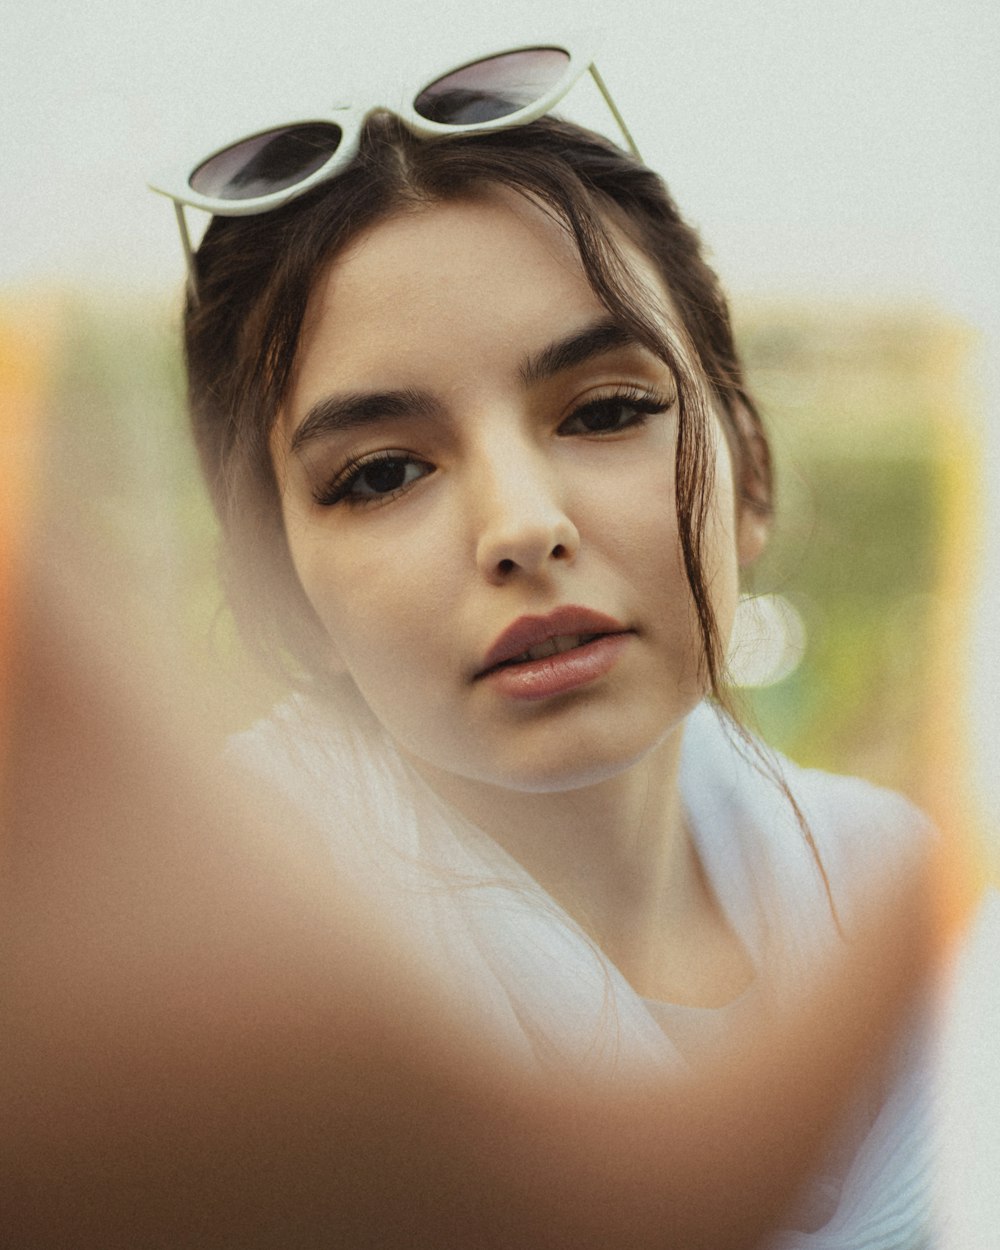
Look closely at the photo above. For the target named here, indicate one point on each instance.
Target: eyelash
(645, 404)
(341, 489)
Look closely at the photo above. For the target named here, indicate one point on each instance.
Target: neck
(619, 858)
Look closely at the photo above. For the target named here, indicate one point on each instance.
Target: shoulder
(862, 833)
(307, 732)
(310, 751)
(845, 810)
(273, 746)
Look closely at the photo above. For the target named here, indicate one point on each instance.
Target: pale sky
(839, 149)
(845, 147)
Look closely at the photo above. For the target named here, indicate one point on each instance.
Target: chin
(574, 767)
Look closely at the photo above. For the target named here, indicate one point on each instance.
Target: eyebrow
(597, 339)
(356, 409)
(335, 414)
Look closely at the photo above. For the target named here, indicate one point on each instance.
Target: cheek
(636, 528)
(374, 598)
(340, 581)
(386, 623)
(644, 537)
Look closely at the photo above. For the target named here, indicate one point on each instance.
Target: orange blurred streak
(962, 866)
(24, 356)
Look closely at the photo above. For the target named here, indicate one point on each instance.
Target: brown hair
(255, 276)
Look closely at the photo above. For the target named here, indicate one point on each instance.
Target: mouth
(531, 639)
(551, 646)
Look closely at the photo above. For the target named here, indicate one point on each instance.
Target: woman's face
(477, 470)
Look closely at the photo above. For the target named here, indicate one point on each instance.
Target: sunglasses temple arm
(614, 109)
(188, 251)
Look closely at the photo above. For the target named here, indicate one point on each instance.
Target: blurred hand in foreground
(210, 1041)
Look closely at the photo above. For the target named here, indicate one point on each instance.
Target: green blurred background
(869, 422)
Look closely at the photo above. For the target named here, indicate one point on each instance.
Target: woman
(487, 469)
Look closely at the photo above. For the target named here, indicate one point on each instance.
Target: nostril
(505, 566)
(559, 552)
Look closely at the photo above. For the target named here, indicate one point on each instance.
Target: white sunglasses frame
(351, 119)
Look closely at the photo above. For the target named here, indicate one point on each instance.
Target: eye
(374, 479)
(612, 413)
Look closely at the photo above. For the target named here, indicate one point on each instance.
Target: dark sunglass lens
(485, 90)
(268, 162)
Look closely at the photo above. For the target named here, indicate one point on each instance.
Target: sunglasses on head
(268, 169)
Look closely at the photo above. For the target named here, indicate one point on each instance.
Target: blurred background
(841, 161)
(853, 644)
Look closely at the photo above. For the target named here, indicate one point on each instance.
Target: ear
(753, 518)
(753, 528)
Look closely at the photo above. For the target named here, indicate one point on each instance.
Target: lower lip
(558, 674)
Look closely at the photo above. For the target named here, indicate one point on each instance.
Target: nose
(524, 527)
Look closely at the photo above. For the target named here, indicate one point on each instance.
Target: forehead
(460, 279)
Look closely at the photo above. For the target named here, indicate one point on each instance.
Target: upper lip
(529, 631)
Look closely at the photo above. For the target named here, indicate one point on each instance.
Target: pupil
(604, 416)
(382, 478)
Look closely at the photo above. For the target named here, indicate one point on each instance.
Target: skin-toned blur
(210, 1041)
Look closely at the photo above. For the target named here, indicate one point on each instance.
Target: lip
(529, 631)
(534, 680)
